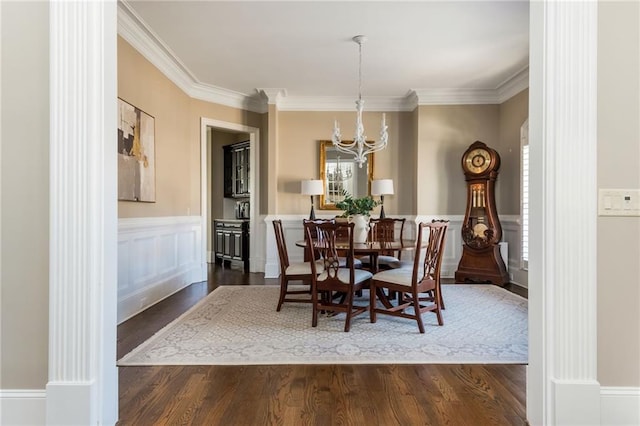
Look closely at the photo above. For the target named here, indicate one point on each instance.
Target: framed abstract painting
(136, 154)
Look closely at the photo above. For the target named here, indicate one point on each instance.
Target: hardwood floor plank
(382, 395)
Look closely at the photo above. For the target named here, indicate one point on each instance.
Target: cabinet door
(237, 245)
(237, 171)
(219, 249)
(228, 172)
(228, 244)
(246, 171)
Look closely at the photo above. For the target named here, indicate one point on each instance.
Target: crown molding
(513, 85)
(455, 96)
(136, 32)
(144, 40)
(273, 96)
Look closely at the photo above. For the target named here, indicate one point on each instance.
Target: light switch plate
(619, 202)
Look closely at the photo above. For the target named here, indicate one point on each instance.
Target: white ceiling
(306, 47)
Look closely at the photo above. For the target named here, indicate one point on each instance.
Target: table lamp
(312, 187)
(382, 187)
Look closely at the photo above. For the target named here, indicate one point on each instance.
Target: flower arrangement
(353, 206)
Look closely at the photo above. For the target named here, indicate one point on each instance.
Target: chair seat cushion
(301, 268)
(357, 263)
(359, 275)
(384, 260)
(401, 276)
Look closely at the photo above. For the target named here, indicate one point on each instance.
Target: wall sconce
(312, 187)
(382, 187)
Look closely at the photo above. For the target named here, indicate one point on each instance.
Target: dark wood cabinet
(231, 241)
(236, 170)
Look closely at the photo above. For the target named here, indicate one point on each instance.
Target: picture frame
(136, 154)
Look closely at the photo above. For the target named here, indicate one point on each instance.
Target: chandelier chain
(360, 70)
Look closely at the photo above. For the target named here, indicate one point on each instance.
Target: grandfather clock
(481, 231)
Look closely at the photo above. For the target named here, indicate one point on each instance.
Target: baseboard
(133, 304)
(619, 406)
(22, 407)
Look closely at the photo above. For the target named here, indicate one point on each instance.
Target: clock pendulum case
(481, 231)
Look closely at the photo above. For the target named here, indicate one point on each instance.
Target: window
(524, 207)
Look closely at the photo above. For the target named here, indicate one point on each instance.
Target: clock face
(477, 160)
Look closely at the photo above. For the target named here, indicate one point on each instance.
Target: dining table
(371, 248)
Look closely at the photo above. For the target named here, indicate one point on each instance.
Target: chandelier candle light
(382, 187)
(312, 187)
(359, 147)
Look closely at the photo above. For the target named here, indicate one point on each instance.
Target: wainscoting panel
(156, 257)
(511, 233)
(293, 232)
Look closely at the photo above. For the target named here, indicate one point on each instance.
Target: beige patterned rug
(237, 325)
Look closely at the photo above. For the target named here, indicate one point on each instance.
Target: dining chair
(416, 285)
(357, 263)
(334, 279)
(296, 271)
(386, 229)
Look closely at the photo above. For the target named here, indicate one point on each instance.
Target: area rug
(239, 325)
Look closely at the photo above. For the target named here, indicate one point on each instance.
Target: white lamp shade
(312, 187)
(382, 187)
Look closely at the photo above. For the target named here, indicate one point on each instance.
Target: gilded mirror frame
(325, 203)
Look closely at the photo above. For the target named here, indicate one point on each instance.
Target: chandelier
(338, 175)
(359, 147)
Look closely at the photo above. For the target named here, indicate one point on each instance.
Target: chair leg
(314, 311)
(372, 303)
(283, 291)
(347, 324)
(438, 297)
(416, 310)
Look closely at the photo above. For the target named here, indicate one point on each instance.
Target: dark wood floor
(306, 394)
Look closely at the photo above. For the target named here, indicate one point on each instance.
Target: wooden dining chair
(334, 279)
(386, 229)
(418, 286)
(357, 263)
(296, 271)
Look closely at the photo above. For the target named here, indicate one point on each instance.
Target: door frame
(206, 150)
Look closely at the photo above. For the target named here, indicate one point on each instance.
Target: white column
(562, 387)
(82, 387)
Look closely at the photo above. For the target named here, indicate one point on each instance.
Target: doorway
(209, 150)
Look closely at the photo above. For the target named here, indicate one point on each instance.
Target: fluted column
(82, 387)
(563, 143)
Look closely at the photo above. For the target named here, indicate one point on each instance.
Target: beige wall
(513, 114)
(299, 155)
(619, 167)
(444, 133)
(24, 261)
(177, 125)
(142, 85)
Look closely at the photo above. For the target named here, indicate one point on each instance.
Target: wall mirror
(340, 174)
